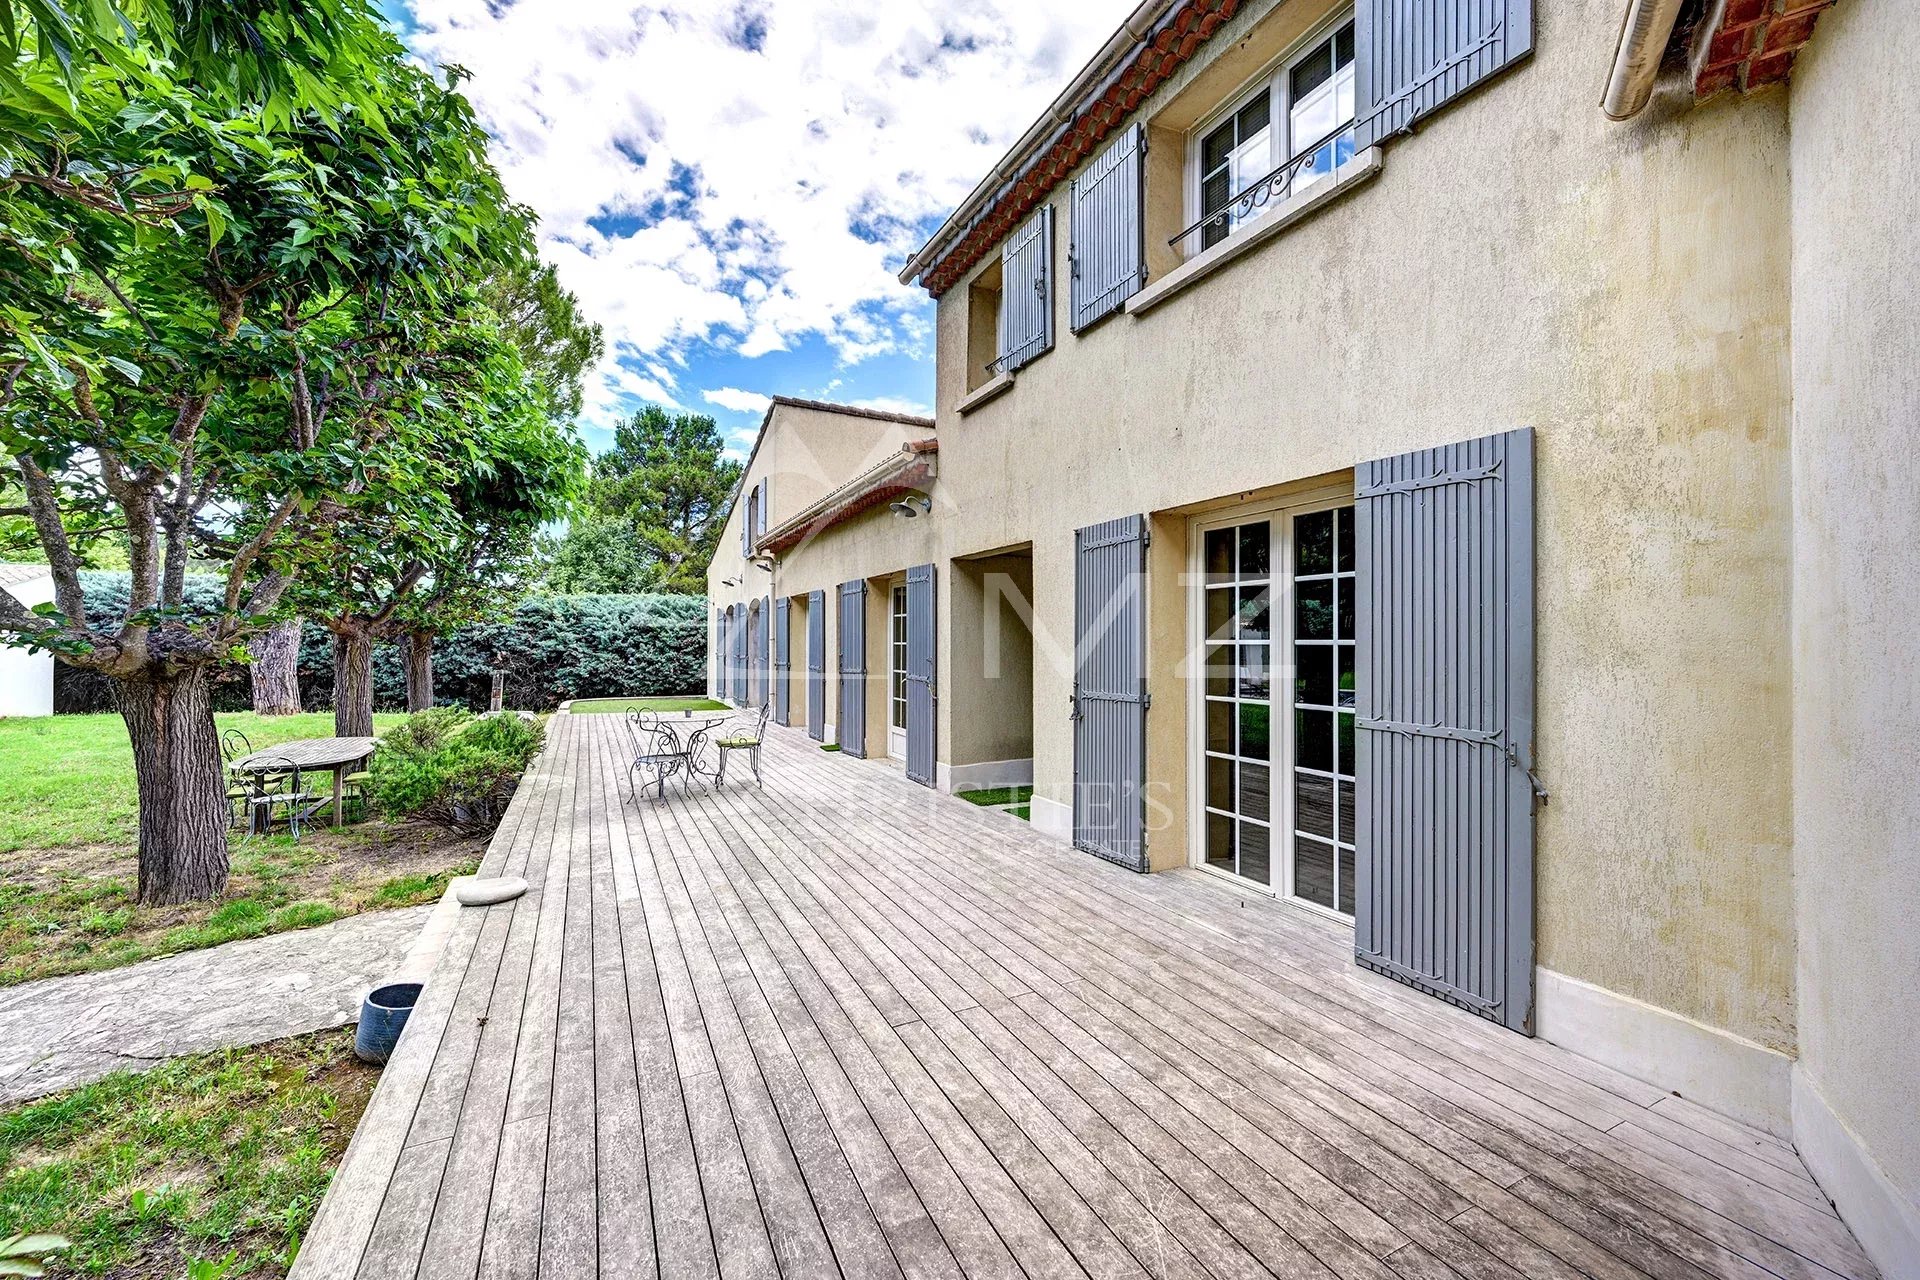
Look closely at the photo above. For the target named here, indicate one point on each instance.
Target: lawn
(67, 868)
(603, 706)
(218, 1159)
(998, 796)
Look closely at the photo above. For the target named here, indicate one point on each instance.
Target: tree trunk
(183, 790)
(497, 693)
(419, 670)
(276, 670)
(353, 683)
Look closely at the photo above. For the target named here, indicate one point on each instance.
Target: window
(983, 325)
(1293, 127)
(897, 679)
(1323, 710)
(1238, 699)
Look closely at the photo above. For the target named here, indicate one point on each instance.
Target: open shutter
(1443, 823)
(853, 667)
(1412, 57)
(740, 654)
(782, 660)
(760, 510)
(920, 666)
(817, 666)
(717, 655)
(1110, 691)
(1108, 254)
(1026, 292)
(764, 664)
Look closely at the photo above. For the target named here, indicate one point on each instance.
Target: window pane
(1220, 842)
(1254, 117)
(1220, 726)
(1346, 812)
(1314, 674)
(1346, 539)
(1313, 611)
(1254, 791)
(1220, 671)
(1314, 733)
(1346, 881)
(1256, 858)
(1217, 147)
(1313, 870)
(1313, 71)
(1215, 193)
(1313, 804)
(1219, 555)
(1219, 613)
(1313, 543)
(1343, 47)
(1253, 551)
(1346, 743)
(1219, 783)
(1255, 679)
(1256, 719)
(1346, 675)
(1346, 608)
(1255, 620)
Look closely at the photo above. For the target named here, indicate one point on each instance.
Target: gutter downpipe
(1644, 33)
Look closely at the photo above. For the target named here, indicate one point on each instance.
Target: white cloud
(742, 177)
(895, 404)
(737, 400)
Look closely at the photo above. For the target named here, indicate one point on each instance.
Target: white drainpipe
(1644, 33)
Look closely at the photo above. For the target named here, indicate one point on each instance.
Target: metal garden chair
(275, 785)
(657, 751)
(748, 739)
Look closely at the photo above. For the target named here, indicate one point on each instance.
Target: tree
(207, 350)
(656, 504)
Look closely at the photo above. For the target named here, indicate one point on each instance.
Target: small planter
(383, 1014)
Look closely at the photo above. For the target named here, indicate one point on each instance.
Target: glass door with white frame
(1276, 703)
(897, 675)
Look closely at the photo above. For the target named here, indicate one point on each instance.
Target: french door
(1274, 750)
(897, 674)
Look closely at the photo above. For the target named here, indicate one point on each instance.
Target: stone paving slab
(59, 1032)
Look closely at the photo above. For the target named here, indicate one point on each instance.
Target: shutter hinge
(1146, 534)
(1146, 702)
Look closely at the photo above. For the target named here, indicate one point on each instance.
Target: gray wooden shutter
(853, 667)
(1443, 822)
(740, 654)
(1107, 257)
(1110, 691)
(1411, 57)
(1026, 292)
(764, 664)
(782, 660)
(718, 654)
(760, 510)
(920, 670)
(817, 666)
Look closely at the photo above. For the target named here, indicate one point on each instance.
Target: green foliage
(998, 796)
(655, 507)
(452, 769)
(659, 706)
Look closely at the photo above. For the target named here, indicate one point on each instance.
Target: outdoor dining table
(334, 755)
(690, 730)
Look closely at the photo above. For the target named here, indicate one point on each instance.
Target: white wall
(26, 679)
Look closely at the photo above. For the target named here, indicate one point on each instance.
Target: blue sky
(730, 186)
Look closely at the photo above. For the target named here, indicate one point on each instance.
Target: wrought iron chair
(233, 745)
(657, 750)
(275, 784)
(748, 739)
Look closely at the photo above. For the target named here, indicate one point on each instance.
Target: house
(1447, 465)
(26, 676)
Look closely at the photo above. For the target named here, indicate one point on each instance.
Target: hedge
(552, 649)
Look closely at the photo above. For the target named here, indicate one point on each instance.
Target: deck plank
(843, 1025)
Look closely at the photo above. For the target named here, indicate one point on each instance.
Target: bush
(553, 648)
(452, 769)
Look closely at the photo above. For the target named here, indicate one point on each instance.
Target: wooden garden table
(335, 755)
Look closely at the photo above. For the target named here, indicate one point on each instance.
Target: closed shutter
(740, 654)
(920, 668)
(853, 667)
(745, 501)
(763, 667)
(817, 666)
(717, 681)
(1443, 821)
(1110, 691)
(1411, 57)
(782, 660)
(1026, 292)
(1108, 254)
(760, 508)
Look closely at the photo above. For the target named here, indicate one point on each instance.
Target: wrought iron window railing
(1252, 200)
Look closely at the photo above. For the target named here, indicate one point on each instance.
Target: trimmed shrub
(452, 769)
(552, 649)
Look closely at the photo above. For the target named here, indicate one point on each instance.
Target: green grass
(1024, 812)
(68, 780)
(220, 1158)
(830, 746)
(998, 796)
(601, 706)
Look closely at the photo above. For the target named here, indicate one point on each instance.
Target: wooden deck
(844, 1025)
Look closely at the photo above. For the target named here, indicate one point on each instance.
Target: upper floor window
(1292, 127)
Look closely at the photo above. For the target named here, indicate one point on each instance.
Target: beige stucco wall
(1856, 635)
(1520, 262)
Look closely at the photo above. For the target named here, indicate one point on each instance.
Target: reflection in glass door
(1238, 699)
(1323, 708)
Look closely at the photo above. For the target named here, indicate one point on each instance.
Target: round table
(334, 755)
(690, 730)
